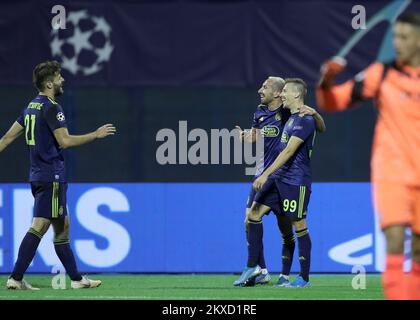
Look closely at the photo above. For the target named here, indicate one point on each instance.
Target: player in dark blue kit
(268, 122)
(44, 126)
(288, 177)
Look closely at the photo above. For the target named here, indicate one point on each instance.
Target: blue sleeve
(303, 127)
(55, 118)
(21, 120)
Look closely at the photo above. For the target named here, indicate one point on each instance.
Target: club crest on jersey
(277, 116)
(284, 137)
(290, 122)
(270, 131)
(60, 116)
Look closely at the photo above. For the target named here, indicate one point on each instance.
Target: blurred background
(145, 66)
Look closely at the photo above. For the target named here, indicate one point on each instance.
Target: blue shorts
(294, 199)
(267, 196)
(50, 199)
(284, 199)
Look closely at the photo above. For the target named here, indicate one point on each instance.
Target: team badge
(61, 210)
(278, 116)
(60, 116)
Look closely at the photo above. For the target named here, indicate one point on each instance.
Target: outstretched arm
(15, 131)
(281, 159)
(66, 140)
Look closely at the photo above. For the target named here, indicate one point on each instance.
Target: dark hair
(410, 18)
(43, 72)
(299, 84)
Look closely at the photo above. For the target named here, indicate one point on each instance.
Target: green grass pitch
(195, 287)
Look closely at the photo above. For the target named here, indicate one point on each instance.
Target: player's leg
(288, 248)
(304, 248)
(261, 260)
(295, 200)
(252, 269)
(414, 277)
(43, 194)
(61, 225)
(27, 250)
(392, 204)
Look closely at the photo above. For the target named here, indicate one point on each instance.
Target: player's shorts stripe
(301, 201)
(54, 201)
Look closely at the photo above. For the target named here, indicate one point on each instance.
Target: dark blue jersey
(271, 124)
(297, 171)
(42, 116)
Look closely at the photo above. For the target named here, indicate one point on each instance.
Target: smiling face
(289, 94)
(267, 92)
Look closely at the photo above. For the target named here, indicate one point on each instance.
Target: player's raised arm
(66, 140)
(15, 131)
(332, 97)
(281, 159)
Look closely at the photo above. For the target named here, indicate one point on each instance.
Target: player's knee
(40, 225)
(415, 243)
(253, 215)
(299, 224)
(395, 237)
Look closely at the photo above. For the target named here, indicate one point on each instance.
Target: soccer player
(44, 126)
(268, 122)
(395, 166)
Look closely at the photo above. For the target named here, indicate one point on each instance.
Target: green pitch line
(195, 287)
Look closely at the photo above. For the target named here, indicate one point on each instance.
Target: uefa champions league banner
(235, 43)
(187, 227)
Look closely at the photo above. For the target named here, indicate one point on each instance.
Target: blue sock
(26, 253)
(255, 232)
(261, 258)
(304, 244)
(287, 253)
(65, 254)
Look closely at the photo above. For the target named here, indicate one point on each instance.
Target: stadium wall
(189, 227)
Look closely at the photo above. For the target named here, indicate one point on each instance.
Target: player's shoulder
(305, 121)
(51, 104)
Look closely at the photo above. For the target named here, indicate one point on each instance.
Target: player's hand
(241, 133)
(259, 182)
(330, 70)
(307, 111)
(105, 130)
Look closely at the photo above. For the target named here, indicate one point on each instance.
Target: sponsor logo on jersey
(270, 131)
